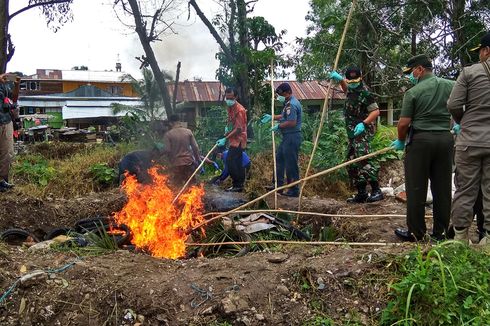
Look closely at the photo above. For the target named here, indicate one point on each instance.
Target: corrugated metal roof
(212, 91)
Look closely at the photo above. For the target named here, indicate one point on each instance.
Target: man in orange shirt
(236, 134)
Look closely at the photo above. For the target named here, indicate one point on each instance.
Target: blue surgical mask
(230, 102)
(413, 79)
(281, 98)
(353, 85)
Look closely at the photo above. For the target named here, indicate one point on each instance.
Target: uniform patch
(288, 111)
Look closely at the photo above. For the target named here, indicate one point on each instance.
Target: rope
(49, 271)
(312, 213)
(307, 243)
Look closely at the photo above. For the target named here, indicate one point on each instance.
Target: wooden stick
(313, 213)
(307, 243)
(193, 174)
(318, 174)
(273, 133)
(325, 102)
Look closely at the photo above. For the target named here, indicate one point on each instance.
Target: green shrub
(34, 169)
(447, 286)
(103, 174)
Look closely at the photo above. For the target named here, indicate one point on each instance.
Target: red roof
(212, 91)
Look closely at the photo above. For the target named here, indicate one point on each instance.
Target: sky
(96, 39)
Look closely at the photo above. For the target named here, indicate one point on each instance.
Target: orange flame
(156, 225)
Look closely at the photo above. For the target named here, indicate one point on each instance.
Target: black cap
(353, 74)
(283, 88)
(484, 41)
(419, 60)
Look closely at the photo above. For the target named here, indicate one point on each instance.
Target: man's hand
(398, 145)
(275, 128)
(456, 129)
(266, 118)
(221, 142)
(228, 128)
(359, 129)
(336, 76)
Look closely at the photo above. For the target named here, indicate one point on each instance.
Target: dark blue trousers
(287, 159)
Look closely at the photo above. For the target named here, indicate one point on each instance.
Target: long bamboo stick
(193, 174)
(318, 174)
(253, 211)
(325, 102)
(308, 243)
(273, 133)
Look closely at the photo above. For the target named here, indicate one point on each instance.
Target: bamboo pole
(273, 133)
(318, 174)
(193, 174)
(307, 243)
(313, 213)
(325, 102)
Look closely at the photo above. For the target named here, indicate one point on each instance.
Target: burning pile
(156, 225)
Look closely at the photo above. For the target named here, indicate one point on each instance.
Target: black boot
(361, 195)
(376, 193)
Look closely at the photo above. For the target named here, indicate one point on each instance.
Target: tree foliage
(248, 45)
(384, 33)
(56, 13)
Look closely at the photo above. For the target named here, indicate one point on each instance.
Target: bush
(447, 286)
(103, 174)
(34, 169)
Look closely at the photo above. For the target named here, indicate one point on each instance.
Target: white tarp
(93, 109)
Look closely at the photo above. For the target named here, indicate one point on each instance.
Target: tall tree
(247, 46)
(386, 33)
(56, 12)
(152, 20)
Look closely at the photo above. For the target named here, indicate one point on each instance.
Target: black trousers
(235, 166)
(429, 156)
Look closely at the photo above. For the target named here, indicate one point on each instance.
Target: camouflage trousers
(364, 171)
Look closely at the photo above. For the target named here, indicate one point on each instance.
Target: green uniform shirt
(426, 103)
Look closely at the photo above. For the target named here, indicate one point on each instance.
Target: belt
(430, 131)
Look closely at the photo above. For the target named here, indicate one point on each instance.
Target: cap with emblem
(418, 60)
(353, 75)
(283, 88)
(484, 42)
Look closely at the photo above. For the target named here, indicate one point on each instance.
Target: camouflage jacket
(359, 103)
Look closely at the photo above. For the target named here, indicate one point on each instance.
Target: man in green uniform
(423, 131)
(360, 112)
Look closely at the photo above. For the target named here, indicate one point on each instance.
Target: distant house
(78, 97)
(195, 97)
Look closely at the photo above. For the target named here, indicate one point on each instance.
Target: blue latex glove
(216, 166)
(202, 170)
(228, 128)
(266, 118)
(221, 142)
(336, 76)
(359, 129)
(275, 128)
(398, 145)
(456, 129)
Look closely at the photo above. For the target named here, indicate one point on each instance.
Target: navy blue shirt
(292, 111)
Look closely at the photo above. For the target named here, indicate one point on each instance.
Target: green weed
(447, 286)
(103, 174)
(319, 321)
(34, 169)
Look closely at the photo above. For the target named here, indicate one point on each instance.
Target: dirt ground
(291, 285)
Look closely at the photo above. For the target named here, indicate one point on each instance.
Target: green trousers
(429, 156)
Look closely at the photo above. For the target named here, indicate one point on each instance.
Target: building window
(115, 90)
(29, 85)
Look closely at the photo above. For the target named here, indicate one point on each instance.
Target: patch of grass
(447, 285)
(72, 176)
(319, 321)
(100, 243)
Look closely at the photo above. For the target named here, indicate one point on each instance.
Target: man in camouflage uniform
(360, 113)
